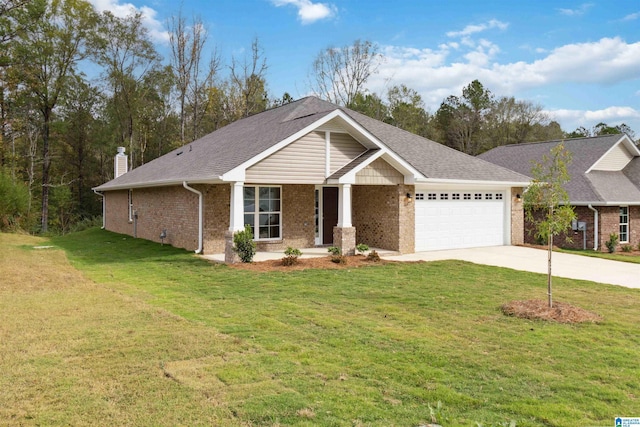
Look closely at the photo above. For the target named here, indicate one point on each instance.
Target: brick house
(312, 173)
(604, 187)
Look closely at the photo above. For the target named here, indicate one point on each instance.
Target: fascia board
(381, 145)
(238, 173)
(164, 183)
(626, 142)
(350, 177)
(469, 182)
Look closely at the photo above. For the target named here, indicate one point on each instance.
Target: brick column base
(345, 239)
(230, 256)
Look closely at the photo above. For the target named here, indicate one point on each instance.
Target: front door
(329, 213)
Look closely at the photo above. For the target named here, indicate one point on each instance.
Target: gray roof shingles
(211, 156)
(592, 187)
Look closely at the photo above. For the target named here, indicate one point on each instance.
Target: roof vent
(120, 163)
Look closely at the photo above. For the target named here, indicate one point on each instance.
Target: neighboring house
(312, 173)
(604, 185)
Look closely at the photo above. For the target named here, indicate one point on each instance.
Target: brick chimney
(120, 164)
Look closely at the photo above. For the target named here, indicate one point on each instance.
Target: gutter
(595, 227)
(103, 209)
(200, 214)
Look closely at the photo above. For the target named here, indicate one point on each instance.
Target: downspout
(200, 209)
(595, 227)
(103, 209)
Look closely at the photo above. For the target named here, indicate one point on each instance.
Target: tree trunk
(549, 270)
(46, 165)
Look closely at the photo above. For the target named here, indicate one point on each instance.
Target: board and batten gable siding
(301, 162)
(304, 161)
(343, 149)
(379, 172)
(614, 160)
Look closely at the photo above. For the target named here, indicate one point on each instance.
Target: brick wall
(174, 209)
(608, 222)
(217, 212)
(298, 219)
(383, 216)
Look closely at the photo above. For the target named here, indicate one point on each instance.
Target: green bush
(612, 242)
(14, 202)
(244, 245)
(362, 248)
(291, 256)
(336, 255)
(627, 248)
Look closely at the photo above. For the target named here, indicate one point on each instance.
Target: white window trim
(626, 240)
(256, 213)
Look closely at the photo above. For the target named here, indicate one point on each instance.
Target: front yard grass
(152, 335)
(633, 257)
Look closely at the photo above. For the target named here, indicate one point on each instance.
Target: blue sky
(580, 60)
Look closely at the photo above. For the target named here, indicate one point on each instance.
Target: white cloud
(631, 17)
(576, 12)
(309, 12)
(477, 28)
(432, 72)
(156, 30)
(614, 115)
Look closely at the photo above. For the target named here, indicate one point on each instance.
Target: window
(467, 196)
(262, 211)
(624, 224)
(431, 196)
(498, 196)
(444, 196)
(478, 196)
(488, 196)
(455, 196)
(130, 204)
(419, 196)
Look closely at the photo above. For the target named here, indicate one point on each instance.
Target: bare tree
(187, 44)
(338, 74)
(248, 80)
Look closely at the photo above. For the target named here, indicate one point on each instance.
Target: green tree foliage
(45, 56)
(546, 202)
(370, 105)
(14, 202)
(406, 110)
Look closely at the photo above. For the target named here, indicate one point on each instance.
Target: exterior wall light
(518, 197)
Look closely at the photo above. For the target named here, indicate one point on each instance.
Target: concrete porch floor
(316, 252)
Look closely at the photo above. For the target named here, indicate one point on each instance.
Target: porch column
(344, 234)
(236, 220)
(344, 205)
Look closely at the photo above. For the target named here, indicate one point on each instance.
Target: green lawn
(634, 257)
(156, 336)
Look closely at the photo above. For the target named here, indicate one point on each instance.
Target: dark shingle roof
(211, 156)
(592, 187)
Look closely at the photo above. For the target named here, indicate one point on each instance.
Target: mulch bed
(355, 261)
(539, 310)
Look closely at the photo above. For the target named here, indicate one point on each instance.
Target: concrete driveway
(535, 260)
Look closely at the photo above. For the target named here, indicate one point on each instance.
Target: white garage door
(459, 219)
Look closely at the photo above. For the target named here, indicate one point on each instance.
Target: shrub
(373, 256)
(291, 256)
(244, 245)
(612, 242)
(627, 248)
(362, 248)
(14, 202)
(336, 255)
